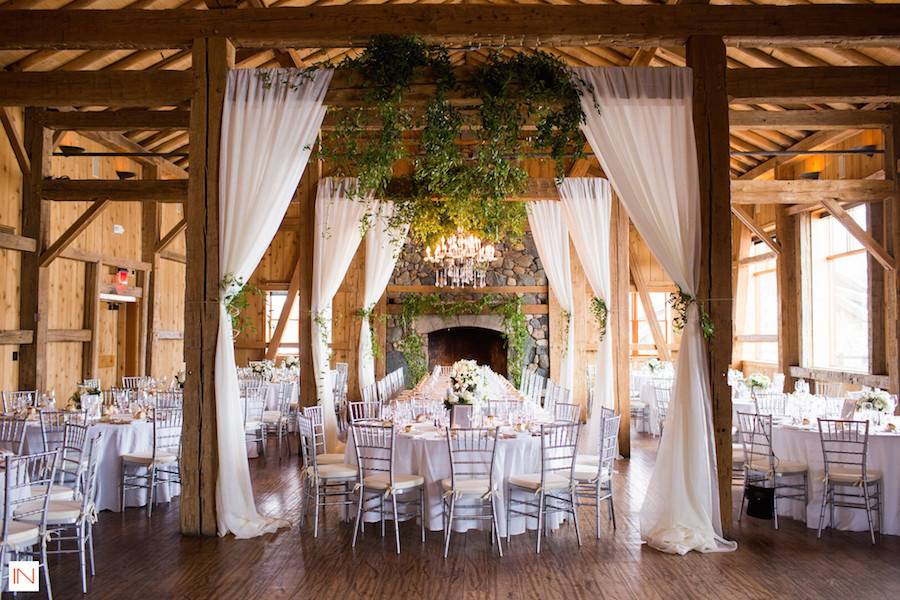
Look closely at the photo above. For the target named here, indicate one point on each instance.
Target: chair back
(72, 456)
(308, 443)
(53, 426)
(845, 446)
(16, 401)
(91, 383)
(317, 417)
(606, 413)
(755, 434)
(524, 381)
(662, 396)
(550, 395)
(170, 399)
(559, 443)
(472, 454)
(829, 389)
(441, 371)
(90, 471)
(770, 403)
(365, 411)
(27, 481)
(167, 424)
(254, 403)
(370, 393)
(609, 445)
(134, 383)
(537, 388)
(566, 413)
(12, 433)
(374, 446)
(340, 389)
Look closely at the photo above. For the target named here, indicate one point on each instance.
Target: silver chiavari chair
(161, 464)
(253, 393)
(72, 463)
(384, 391)
(848, 482)
(134, 383)
(91, 383)
(442, 370)
(374, 446)
(119, 398)
(553, 489)
(829, 389)
(170, 399)
(473, 458)
(370, 393)
(762, 467)
(53, 426)
(593, 474)
(549, 396)
(317, 416)
(340, 393)
(770, 403)
(27, 481)
(365, 411)
(12, 433)
(277, 421)
(662, 397)
(321, 481)
(16, 401)
(566, 413)
(537, 388)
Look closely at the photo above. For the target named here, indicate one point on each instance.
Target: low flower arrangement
(654, 365)
(875, 400)
(290, 362)
(264, 369)
(466, 384)
(179, 379)
(757, 382)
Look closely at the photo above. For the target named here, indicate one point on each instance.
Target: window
(641, 336)
(839, 295)
(757, 327)
(290, 339)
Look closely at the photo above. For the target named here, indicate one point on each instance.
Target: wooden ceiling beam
(130, 190)
(101, 88)
(119, 143)
(804, 191)
(877, 251)
(750, 223)
(15, 142)
(117, 120)
(814, 84)
(68, 236)
(532, 26)
(809, 119)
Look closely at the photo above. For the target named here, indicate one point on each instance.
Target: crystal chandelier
(460, 260)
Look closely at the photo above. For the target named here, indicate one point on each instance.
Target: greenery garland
(450, 189)
(369, 315)
(601, 315)
(236, 297)
(515, 327)
(680, 301)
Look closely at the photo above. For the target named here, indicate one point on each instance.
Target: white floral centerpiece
(466, 384)
(757, 382)
(179, 379)
(875, 400)
(264, 369)
(290, 362)
(654, 365)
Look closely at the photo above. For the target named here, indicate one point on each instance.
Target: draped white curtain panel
(586, 203)
(643, 136)
(340, 209)
(551, 237)
(383, 246)
(271, 119)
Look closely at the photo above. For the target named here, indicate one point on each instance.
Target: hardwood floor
(145, 559)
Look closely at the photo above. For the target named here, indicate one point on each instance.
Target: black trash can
(760, 501)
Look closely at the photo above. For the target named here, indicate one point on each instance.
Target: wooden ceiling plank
(131, 190)
(805, 191)
(105, 88)
(815, 84)
(809, 119)
(117, 120)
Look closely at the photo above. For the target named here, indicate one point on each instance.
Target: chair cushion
(58, 491)
(146, 458)
(272, 416)
(782, 467)
(329, 459)
(532, 481)
(336, 471)
(852, 476)
(382, 481)
(21, 534)
(589, 473)
(467, 487)
(252, 425)
(587, 459)
(638, 405)
(59, 512)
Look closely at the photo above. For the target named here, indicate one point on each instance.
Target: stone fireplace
(485, 346)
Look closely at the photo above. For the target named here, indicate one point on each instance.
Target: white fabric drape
(643, 136)
(551, 237)
(339, 214)
(268, 127)
(383, 246)
(587, 204)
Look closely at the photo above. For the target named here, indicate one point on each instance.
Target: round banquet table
(117, 439)
(426, 454)
(802, 444)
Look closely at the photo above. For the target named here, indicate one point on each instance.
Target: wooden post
(787, 268)
(212, 58)
(307, 226)
(619, 324)
(706, 56)
(90, 351)
(892, 242)
(150, 235)
(34, 290)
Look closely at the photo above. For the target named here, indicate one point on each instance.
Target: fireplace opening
(486, 346)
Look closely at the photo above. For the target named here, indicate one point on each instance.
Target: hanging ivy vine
(451, 187)
(680, 302)
(601, 315)
(236, 296)
(515, 327)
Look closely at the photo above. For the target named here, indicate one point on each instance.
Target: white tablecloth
(429, 457)
(794, 444)
(116, 441)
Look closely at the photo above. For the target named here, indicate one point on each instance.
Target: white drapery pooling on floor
(271, 118)
(586, 204)
(339, 212)
(643, 137)
(383, 246)
(551, 237)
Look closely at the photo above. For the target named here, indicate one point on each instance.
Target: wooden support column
(306, 194)
(875, 225)
(150, 235)
(892, 240)
(90, 351)
(706, 56)
(787, 268)
(619, 324)
(34, 290)
(212, 59)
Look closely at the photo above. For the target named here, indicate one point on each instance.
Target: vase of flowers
(263, 369)
(757, 382)
(466, 388)
(290, 362)
(876, 403)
